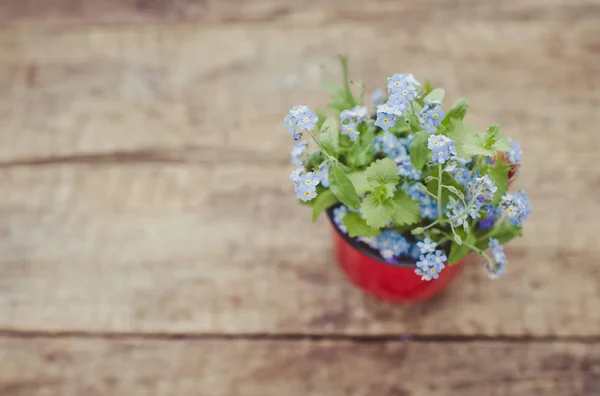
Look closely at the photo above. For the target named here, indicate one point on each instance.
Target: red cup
(386, 281)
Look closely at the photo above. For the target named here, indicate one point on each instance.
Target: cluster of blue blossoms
(349, 120)
(431, 261)
(517, 207)
(402, 89)
(298, 118)
(473, 207)
(442, 148)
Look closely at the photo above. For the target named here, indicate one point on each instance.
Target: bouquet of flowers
(406, 179)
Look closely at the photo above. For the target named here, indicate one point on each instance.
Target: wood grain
(170, 248)
(288, 11)
(144, 173)
(48, 367)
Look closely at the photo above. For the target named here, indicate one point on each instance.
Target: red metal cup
(391, 282)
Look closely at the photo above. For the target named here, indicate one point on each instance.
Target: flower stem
(330, 157)
(439, 197)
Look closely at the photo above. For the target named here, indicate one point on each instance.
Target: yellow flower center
(397, 83)
(459, 174)
(434, 116)
(307, 193)
(385, 120)
(432, 270)
(436, 143)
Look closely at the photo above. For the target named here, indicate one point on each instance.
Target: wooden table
(151, 243)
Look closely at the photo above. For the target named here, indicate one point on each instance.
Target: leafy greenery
(376, 212)
(457, 112)
(382, 171)
(458, 252)
(324, 200)
(329, 136)
(436, 95)
(499, 175)
(356, 226)
(504, 232)
(406, 210)
(342, 187)
(419, 153)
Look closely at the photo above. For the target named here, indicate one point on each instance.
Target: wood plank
(171, 248)
(79, 91)
(47, 367)
(289, 11)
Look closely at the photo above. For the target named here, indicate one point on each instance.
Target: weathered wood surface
(116, 142)
(288, 11)
(168, 248)
(150, 242)
(98, 367)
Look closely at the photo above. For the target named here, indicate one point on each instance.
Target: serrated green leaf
(329, 136)
(359, 180)
(495, 139)
(436, 95)
(341, 186)
(356, 226)
(457, 112)
(376, 213)
(324, 200)
(467, 141)
(406, 210)
(499, 175)
(383, 171)
(419, 153)
(504, 232)
(458, 252)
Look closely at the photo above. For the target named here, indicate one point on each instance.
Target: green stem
(330, 157)
(439, 197)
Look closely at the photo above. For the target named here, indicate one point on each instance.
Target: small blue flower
(514, 155)
(495, 270)
(414, 252)
(338, 217)
(517, 206)
(403, 84)
(427, 246)
(397, 105)
(407, 141)
(300, 117)
(442, 148)
(429, 211)
(482, 187)
(492, 215)
(309, 179)
(431, 116)
(350, 131)
(457, 213)
(377, 96)
(405, 167)
(297, 152)
(385, 121)
(306, 193)
(463, 161)
(429, 266)
(388, 144)
(474, 210)
(462, 175)
(296, 173)
(356, 115)
(323, 174)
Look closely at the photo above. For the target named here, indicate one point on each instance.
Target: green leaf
(359, 180)
(436, 95)
(504, 232)
(346, 81)
(457, 112)
(376, 213)
(458, 252)
(419, 153)
(495, 139)
(383, 171)
(356, 226)
(324, 200)
(406, 210)
(329, 135)
(467, 140)
(499, 175)
(361, 152)
(341, 186)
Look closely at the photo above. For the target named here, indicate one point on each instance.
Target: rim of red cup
(363, 248)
